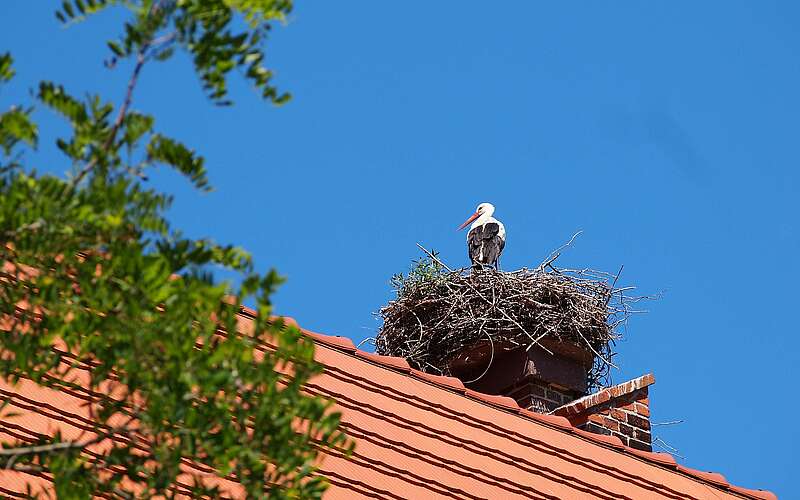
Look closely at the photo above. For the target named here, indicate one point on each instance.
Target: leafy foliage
(95, 280)
(203, 28)
(15, 124)
(424, 272)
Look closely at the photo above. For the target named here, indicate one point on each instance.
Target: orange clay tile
(417, 436)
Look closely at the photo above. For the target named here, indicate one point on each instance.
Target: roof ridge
(559, 423)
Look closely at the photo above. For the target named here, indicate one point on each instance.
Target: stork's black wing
(484, 243)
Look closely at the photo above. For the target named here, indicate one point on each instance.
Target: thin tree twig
(666, 446)
(555, 254)
(491, 359)
(15, 453)
(668, 422)
(613, 284)
(366, 341)
(123, 110)
(141, 58)
(606, 361)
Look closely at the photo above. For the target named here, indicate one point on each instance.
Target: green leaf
(66, 7)
(56, 98)
(6, 69)
(115, 48)
(84, 8)
(16, 126)
(135, 126)
(168, 151)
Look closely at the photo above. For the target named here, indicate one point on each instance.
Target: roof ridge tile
(759, 494)
(553, 420)
(612, 441)
(655, 456)
(441, 380)
(501, 401)
(343, 343)
(394, 362)
(711, 477)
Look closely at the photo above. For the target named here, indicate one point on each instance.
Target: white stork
(486, 237)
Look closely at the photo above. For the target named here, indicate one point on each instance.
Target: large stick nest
(438, 312)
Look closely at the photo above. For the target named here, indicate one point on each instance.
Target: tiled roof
(423, 436)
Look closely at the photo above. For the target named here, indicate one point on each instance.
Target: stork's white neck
(483, 219)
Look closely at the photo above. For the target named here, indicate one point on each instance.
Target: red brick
(610, 423)
(642, 436)
(578, 420)
(626, 429)
(616, 392)
(598, 419)
(640, 422)
(642, 409)
(597, 429)
(601, 397)
(619, 415)
(639, 445)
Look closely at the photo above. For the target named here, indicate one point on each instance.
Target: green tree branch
(96, 283)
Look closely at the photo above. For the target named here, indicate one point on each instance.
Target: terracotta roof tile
(389, 361)
(423, 436)
(658, 457)
(343, 343)
(760, 494)
(711, 477)
(440, 380)
(612, 441)
(501, 401)
(554, 420)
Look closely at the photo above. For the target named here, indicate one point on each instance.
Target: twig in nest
(555, 254)
(488, 365)
(368, 340)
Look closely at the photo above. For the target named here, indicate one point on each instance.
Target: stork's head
(483, 210)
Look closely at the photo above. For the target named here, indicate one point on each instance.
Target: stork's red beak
(471, 218)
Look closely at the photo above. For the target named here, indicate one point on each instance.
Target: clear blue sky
(666, 131)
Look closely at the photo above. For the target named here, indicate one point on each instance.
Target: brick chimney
(555, 382)
(622, 410)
